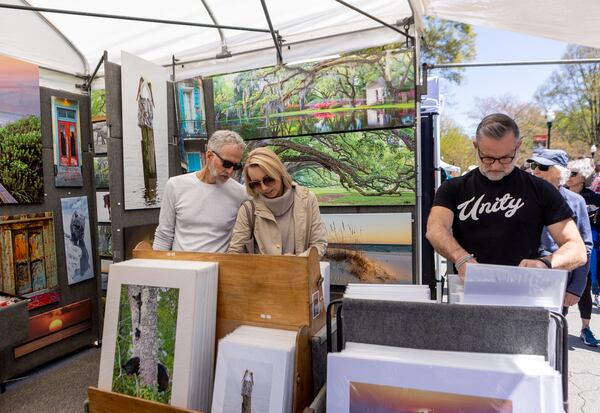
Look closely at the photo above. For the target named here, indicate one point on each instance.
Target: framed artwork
(104, 270)
(254, 371)
(390, 379)
(103, 206)
(356, 168)
(43, 299)
(136, 234)
(105, 248)
(21, 171)
(78, 241)
(369, 248)
(100, 135)
(150, 349)
(66, 133)
(145, 136)
(367, 89)
(190, 108)
(101, 177)
(28, 255)
(366, 397)
(56, 325)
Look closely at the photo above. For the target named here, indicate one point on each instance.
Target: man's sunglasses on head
(543, 168)
(228, 164)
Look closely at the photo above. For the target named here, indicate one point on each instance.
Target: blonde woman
(282, 218)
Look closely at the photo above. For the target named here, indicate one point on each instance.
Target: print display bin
(265, 291)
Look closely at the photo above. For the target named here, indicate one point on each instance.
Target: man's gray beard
(485, 173)
(218, 178)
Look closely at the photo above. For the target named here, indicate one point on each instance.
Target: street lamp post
(549, 119)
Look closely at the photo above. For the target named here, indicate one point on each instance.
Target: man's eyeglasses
(543, 168)
(267, 181)
(228, 164)
(489, 160)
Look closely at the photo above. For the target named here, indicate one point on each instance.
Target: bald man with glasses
(495, 214)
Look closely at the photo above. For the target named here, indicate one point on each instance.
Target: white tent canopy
(575, 22)
(309, 28)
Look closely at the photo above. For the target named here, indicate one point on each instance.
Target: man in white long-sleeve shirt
(199, 209)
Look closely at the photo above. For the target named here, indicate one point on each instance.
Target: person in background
(551, 165)
(198, 209)
(281, 218)
(576, 183)
(495, 214)
(595, 178)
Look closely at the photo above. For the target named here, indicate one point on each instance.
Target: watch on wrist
(545, 261)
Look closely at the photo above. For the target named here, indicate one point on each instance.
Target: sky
(493, 45)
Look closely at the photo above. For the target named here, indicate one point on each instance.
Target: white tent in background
(567, 21)
(451, 170)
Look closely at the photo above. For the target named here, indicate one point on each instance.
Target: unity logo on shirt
(473, 210)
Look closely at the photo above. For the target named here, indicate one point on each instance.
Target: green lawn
(335, 195)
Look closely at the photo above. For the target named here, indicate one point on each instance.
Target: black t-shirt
(501, 222)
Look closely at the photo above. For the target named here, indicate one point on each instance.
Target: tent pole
(274, 34)
(88, 83)
(517, 63)
(133, 18)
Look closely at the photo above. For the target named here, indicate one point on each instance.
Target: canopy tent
(567, 21)
(311, 28)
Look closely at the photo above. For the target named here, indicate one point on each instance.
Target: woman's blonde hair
(270, 163)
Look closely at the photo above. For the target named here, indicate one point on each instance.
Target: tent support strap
(389, 26)
(87, 85)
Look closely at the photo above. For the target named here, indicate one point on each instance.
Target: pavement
(584, 365)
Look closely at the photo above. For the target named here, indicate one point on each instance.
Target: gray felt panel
(112, 85)
(482, 329)
(209, 107)
(52, 195)
(13, 319)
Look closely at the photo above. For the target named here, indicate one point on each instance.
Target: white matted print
(249, 376)
(78, 242)
(189, 288)
(103, 206)
(145, 134)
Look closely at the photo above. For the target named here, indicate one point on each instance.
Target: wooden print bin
(265, 291)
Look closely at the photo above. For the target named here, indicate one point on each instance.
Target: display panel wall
(119, 217)
(64, 294)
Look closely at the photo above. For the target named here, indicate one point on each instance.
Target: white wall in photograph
(145, 134)
(78, 242)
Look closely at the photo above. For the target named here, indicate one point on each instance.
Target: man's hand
(533, 264)
(463, 269)
(570, 300)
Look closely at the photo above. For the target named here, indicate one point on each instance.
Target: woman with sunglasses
(282, 218)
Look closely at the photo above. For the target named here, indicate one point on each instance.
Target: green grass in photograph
(396, 106)
(336, 195)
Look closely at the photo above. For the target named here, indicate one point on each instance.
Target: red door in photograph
(67, 140)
